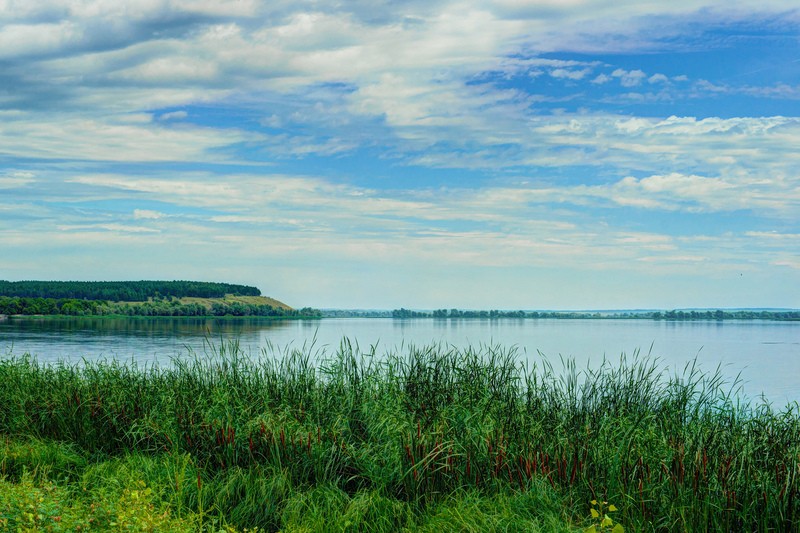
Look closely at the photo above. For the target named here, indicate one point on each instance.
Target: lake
(765, 354)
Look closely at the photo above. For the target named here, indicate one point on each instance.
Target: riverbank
(425, 433)
(229, 305)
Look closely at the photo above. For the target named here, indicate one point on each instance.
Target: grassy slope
(228, 299)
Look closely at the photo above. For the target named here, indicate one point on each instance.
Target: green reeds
(413, 428)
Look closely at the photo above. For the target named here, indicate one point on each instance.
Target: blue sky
(551, 154)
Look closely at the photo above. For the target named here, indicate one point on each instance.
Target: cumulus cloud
(108, 108)
(629, 78)
(569, 74)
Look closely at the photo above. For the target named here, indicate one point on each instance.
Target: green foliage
(46, 506)
(602, 523)
(124, 291)
(73, 307)
(296, 439)
(57, 460)
(472, 511)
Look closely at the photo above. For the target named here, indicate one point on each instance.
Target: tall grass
(263, 438)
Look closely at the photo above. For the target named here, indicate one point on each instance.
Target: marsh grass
(482, 437)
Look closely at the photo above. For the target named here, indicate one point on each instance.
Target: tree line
(162, 307)
(122, 291)
(673, 315)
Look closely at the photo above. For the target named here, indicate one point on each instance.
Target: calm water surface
(766, 355)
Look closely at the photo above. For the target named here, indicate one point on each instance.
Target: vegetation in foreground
(432, 438)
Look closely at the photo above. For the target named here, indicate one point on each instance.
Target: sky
(542, 154)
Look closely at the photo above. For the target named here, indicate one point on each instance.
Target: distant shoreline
(675, 315)
(793, 316)
(143, 317)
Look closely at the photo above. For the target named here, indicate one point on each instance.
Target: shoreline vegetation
(232, 306)
(431, 438)
(141, 298)
(211, 299)
(672, 315)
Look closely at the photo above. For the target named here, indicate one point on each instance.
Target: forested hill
(122, 291)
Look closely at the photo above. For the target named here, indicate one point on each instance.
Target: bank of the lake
(425, 438)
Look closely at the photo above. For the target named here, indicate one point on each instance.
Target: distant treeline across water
(160, 307)
(122, 291)
(140, 298)
(718, 314)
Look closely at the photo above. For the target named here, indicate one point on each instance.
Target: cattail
(705, 461)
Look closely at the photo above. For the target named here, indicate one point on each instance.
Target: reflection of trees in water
(227, 327)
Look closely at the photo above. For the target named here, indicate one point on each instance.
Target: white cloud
(94, 82)
(19, 40)
(791, 263)
(113, 227)
(563, 73)
(174, 115)
(123, 138)
(674, 259)
(629, 78)
(147, 214)
(15, 180)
